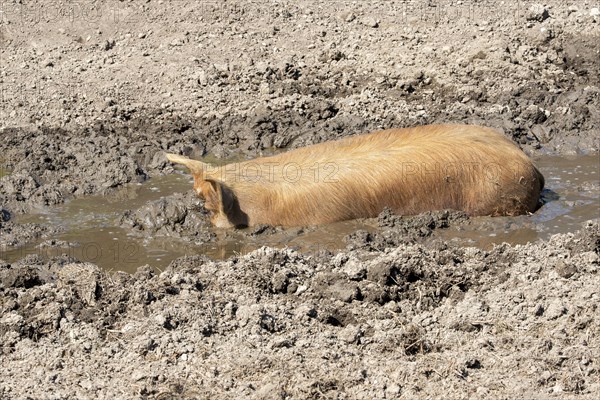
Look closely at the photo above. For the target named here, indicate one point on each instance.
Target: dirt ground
(93, 93)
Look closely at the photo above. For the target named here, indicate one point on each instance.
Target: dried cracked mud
(93, 94)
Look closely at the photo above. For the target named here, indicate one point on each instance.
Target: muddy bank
(409, 321)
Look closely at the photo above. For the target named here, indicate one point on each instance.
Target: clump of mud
(179, 215)
(394, 230)
(15, 235)
(12, 234)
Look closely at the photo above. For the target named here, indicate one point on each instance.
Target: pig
(468, 168)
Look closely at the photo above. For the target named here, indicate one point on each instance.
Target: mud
(392, 307)
(277, 323)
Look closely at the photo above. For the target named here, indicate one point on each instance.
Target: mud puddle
(571, 196)
(91, 231)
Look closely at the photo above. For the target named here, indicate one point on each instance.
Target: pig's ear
(217, 197)
(195, 167)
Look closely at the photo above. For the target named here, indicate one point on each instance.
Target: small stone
(393, 390)
(86, 384)
(584, 361)
(350, 334)
(555, 309)
(594, 12)
(138, 375)
(4, 215)
(161, 320)
(545, 377)
(202, 79)
(223, 68)
(350, 17)
(537, 12)
(301, 289)
(354, 269)
(264, 88)
(557, 388)
(565, 270)
(279, 282)
(11, 319)
(370, 22)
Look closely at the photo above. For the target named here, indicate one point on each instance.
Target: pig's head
(219, 199)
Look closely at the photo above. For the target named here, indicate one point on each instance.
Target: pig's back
(462, 167)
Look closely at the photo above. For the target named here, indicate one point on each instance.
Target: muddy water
(3, 169)
(91, 232)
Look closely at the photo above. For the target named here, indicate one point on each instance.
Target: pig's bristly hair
(409, 170)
